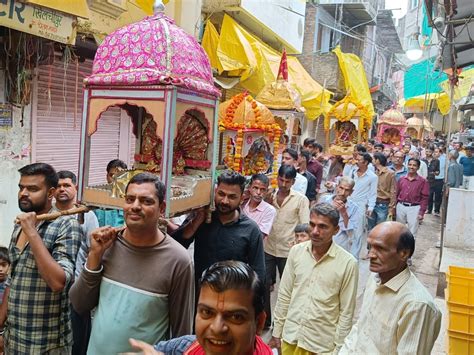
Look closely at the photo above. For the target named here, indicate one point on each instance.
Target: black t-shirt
(240, 240)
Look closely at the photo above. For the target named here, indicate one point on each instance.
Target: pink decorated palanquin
(391, 128)
(161, 77)
(152, 51)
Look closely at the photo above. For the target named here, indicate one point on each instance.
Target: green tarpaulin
(421, 78)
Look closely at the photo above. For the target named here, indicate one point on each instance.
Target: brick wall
(308, 40)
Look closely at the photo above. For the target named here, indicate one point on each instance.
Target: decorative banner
(38, 21)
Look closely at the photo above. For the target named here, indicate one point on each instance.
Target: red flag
(283, 70)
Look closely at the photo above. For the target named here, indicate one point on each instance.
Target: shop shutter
(57, 128)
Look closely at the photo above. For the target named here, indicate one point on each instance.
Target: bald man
(398, 314)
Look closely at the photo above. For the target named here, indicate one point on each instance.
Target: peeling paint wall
(15, 152)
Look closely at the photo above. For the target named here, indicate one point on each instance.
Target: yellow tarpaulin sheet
(210, 40)
(442, 101)
(241, 54)
(72, 7)
(466, 79)
(354, 79)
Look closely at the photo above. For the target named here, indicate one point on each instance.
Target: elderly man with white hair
(455, 170)
(423, 171)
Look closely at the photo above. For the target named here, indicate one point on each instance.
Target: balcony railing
(354, 11)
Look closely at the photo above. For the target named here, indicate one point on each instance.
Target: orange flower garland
(276, 146)
(273, 131)
(238, 149)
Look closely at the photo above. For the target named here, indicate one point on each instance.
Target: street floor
(425, 266)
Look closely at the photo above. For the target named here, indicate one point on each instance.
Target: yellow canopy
(466, 79)
(241, 54)
(355, 80)
(442, 101)
(73, 7)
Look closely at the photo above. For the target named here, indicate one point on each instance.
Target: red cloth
(414, 191)
(316, 168)
(283, 70)
(260, 348)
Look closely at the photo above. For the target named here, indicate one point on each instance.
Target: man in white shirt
(290, 157)
(348, 211)
(364, 196)
(398, 315)
(351, 164)
(256, 208)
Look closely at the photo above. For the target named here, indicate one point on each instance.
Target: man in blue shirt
(468, 167)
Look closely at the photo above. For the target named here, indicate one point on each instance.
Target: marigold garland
(273, 131)
(365, 118)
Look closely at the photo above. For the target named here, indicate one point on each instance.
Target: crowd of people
(111, 281)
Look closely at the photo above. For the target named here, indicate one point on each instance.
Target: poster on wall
(6, 115)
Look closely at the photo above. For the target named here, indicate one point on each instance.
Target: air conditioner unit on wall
(112, 8)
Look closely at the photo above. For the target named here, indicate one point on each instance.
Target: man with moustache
(398, 314)
(229, 316)
(317, 293)
(260, 211)
(65, 196)
(35, 308)
(231, 235)
(140, 280)
(292, 209)
(386, 192)
(364, 196)
(348, 212)
(379, 148)
(412, 197)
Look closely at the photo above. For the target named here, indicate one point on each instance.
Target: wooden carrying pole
(57, 214)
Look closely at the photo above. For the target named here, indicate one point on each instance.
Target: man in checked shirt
(42, 257)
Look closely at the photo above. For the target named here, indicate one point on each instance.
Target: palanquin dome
(153, 51)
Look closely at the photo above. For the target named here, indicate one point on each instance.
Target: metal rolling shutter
(58, 129)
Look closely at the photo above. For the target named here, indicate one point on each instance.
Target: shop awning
(355, 80)
(73, 7)
(241, 54)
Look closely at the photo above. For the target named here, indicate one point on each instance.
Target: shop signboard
(39, 21)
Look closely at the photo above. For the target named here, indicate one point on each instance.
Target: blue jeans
(379, 215)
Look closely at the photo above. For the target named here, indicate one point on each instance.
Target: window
(323, 42)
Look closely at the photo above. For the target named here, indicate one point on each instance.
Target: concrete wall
(186, 14)
(15, 152)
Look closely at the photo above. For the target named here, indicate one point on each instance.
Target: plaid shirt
(38, 318)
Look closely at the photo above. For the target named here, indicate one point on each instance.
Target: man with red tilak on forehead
(229, 316)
